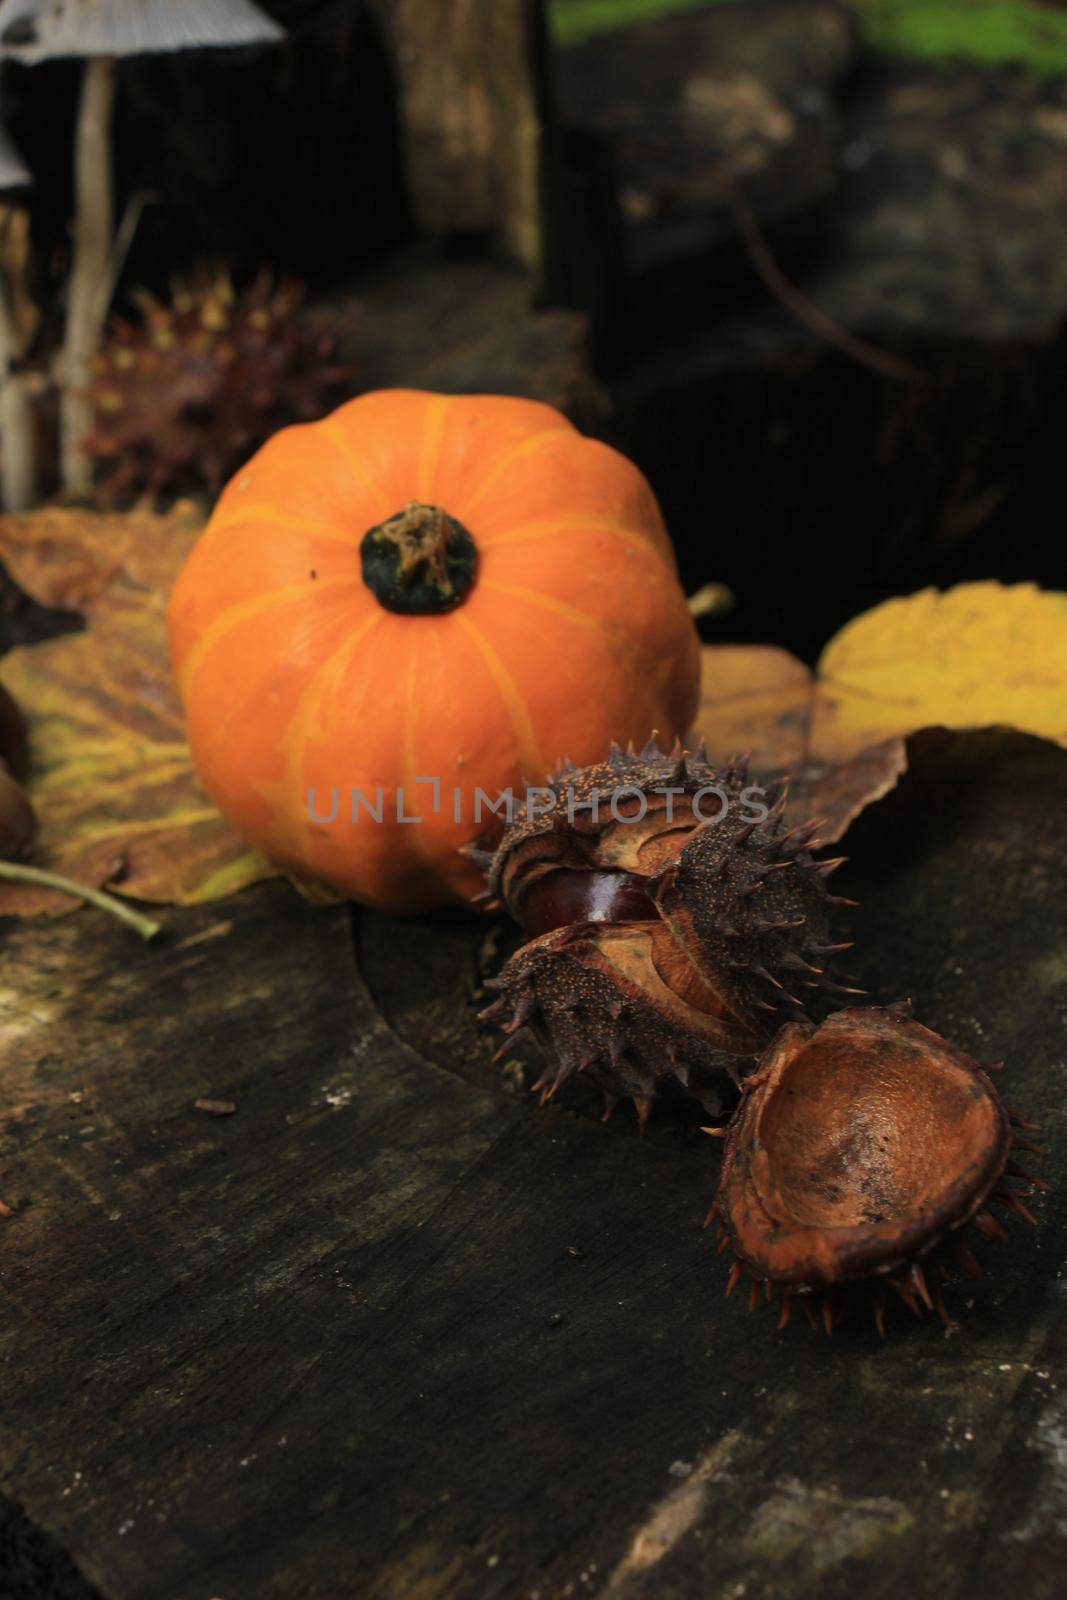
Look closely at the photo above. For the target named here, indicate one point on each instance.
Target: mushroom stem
(18, 462)
(18, 479)
(86, 307)
(18, 437)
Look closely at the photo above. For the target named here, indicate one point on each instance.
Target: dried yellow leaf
(110, 775)
(976, 656)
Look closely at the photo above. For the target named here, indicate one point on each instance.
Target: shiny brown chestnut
(565, 897)
(672, 922)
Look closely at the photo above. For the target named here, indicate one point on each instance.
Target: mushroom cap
(858, 1146)
(40, 30)
(14, 173)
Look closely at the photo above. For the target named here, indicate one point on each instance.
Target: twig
(120, 249)
(821, 323)
(81, 891)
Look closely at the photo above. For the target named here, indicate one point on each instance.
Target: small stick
(81, 891)
(821, 323)
(120, 249)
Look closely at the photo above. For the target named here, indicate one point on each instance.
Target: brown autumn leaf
(979, 655)
(110, 774)
(118, 802)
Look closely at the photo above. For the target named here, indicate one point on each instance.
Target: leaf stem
(81, 891)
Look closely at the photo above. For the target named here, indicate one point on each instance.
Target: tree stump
(389, 1329)
(473, 103)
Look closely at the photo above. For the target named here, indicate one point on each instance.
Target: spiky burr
(182, 395)
(862, 1152)
(674, 922)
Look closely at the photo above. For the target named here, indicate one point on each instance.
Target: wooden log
(390, 1330)
(467, 327)
(472, 77)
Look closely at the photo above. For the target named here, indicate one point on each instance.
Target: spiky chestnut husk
(184, 394)
(861, 1150)
(661, 945)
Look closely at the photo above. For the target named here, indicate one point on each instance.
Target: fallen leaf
(976, 656)
(118, 802)
(110, 775)
(979, 655)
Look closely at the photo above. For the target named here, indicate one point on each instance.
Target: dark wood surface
(389, 1330)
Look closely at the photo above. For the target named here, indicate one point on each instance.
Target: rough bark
(473, 104)
(467, 327)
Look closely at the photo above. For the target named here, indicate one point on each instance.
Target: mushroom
(101, 31)
(18, 471)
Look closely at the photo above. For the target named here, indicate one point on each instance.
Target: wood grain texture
(470, 75)
(391, 1331)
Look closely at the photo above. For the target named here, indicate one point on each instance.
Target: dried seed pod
(673, 923)
(860, 1148)
(185, 392)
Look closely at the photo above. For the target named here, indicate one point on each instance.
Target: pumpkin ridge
(301, 729)
(578, 639)
(514, 453)
(430, 451)
(527, 750)
(613, 636)
(423, 856)
(289, 748)
(551, 528)
(613, 633)
(335, 434)
(558, 608)
(617, 637)
(246, 611)
(256, 518)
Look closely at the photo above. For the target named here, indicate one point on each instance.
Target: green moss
(1050, 972)
(986, 32)
(573, 20)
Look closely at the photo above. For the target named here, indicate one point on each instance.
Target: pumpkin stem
(420, 561)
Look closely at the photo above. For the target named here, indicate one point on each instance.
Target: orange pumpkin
(421, 587)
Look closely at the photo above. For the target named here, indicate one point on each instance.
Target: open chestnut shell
(663, 945)
(859, 1148)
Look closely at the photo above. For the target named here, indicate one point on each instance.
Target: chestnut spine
(666, 947)
(664, 943)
